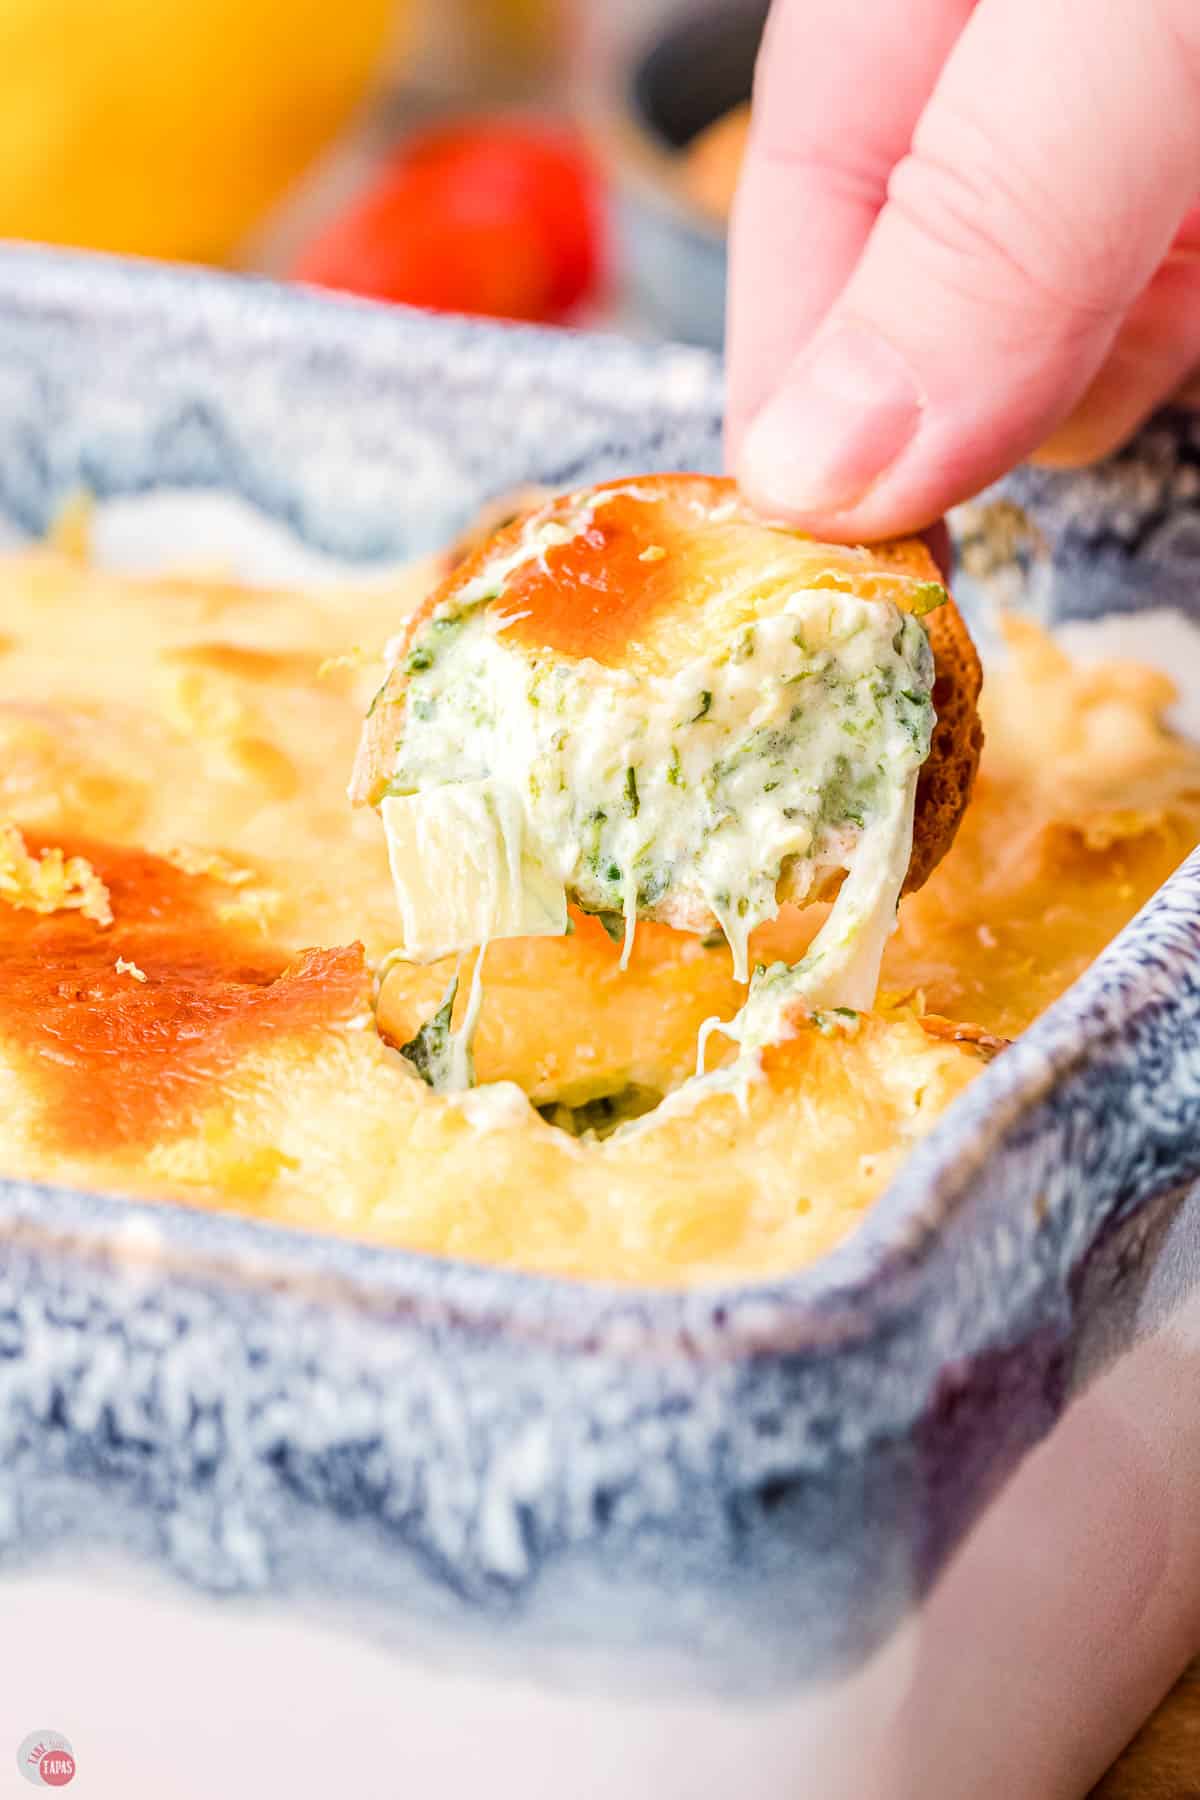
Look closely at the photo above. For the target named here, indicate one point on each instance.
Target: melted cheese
(543, 746)
(798, 745)
(245, 1071)
(465, 872)
(50, 882)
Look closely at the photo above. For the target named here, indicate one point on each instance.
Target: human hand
(965, 229)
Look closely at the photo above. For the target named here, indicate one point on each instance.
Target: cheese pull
(648, 700)
(463, 871)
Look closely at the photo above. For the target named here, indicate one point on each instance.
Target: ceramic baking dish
(280, 1514)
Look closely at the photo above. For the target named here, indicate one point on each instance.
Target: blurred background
(563, 161)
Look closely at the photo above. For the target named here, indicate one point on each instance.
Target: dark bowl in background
(672, 253)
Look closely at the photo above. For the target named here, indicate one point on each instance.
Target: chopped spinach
(835, 1019)
(654, 885)
(601, 1116)
(926, 598)
(429, 1052)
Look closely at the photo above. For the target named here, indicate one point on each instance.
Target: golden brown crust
(946, 779)
(986, 1044)
(945, 783)
(505, 511)
(150, 1004)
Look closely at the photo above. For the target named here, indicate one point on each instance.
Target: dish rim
(891, 1256)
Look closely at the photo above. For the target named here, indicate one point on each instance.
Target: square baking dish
(282, 1513)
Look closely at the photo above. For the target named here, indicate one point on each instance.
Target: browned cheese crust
(949, 773)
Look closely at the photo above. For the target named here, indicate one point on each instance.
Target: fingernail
(848, 408)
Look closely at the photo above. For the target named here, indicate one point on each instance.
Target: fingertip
(848, 409)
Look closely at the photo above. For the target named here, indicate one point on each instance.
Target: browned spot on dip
(594, 594)
(115, 1061)
(666, 545)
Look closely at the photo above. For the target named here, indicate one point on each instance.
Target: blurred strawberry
(501, 217)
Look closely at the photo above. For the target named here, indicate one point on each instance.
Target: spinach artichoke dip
(207, 994)
(647, 700)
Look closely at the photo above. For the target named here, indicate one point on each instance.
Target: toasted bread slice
(948, 774)
(634, 589)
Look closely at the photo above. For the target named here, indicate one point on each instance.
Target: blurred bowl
(672, 249)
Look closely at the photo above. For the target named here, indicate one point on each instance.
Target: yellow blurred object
(170, 127)
(712, 162)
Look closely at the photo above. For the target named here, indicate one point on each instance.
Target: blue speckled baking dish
(873, 1529)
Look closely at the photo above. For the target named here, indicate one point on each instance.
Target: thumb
(1048, 174)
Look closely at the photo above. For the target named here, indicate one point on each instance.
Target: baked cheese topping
(50, 882)
(531, 763)
(175, 749)
(123, 1042)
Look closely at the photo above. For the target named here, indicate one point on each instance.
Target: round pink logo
(46, 1759)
